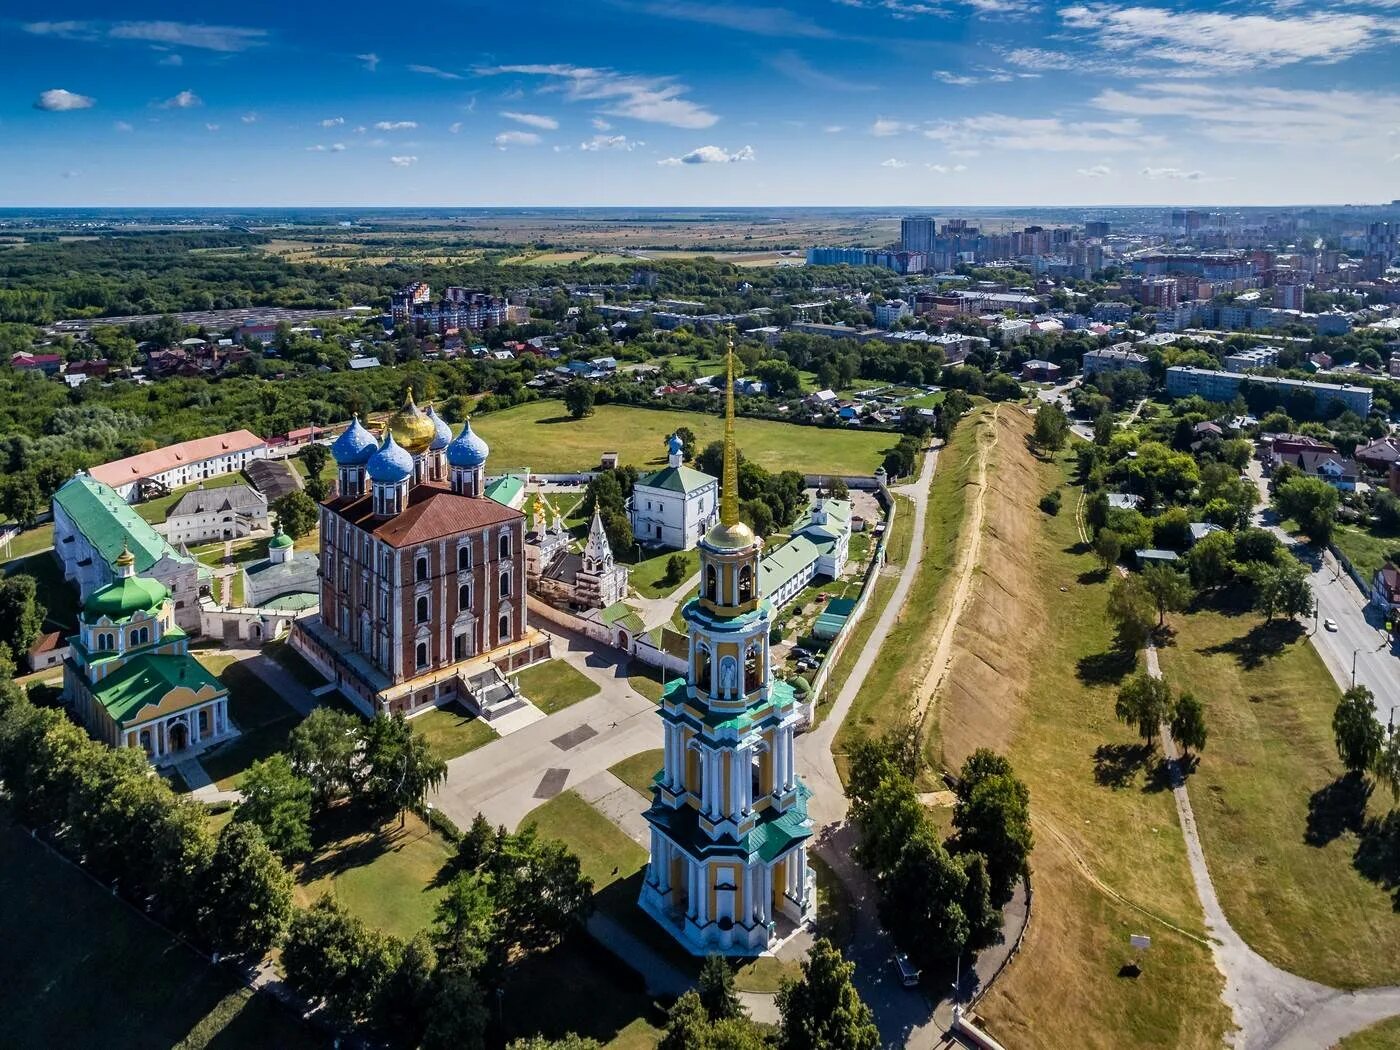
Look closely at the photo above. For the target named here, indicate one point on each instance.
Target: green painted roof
(677, 479)
(506, 490)
(773, 834)
(146, 679)
(783, 564)
(280, 541)
(620, 614)
(120, 600)
(110, 523)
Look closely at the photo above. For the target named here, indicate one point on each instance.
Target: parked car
(1330, 624)
(907, 972)
(801, 653)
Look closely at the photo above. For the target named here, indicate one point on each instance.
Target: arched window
(104, 642)
(711, 583)
(422, 654)
(422, 609)
(503, 635)
(135, 637)
(505, 545)
(464, 556)
(745, 584)
(464, 597)
(420, 572)
(505, 584)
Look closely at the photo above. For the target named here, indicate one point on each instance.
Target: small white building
(227, 513)
(181, 464)
(674, 506)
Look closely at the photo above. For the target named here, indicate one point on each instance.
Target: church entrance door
(179, 736)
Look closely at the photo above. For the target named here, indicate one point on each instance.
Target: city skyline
(890, 103)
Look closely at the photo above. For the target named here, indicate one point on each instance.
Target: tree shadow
(1259, 643)
(1377, 855)
(1091, 576)
(1106, 668)
(556, 419)
(1337, 808)
(1116, 765)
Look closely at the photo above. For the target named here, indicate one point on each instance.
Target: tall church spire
(729, 488)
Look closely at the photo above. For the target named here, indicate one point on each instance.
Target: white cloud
(533, 120)
(70, 30)
(710, 155)
(1041, 58)
(883, 128)
(121, 125)
(1050, 134)
(172, 59)
(249, 118)
(370, 60)
(955, 79)
(185, 34)
(1218, 42)
(834, 129)
(507, 139)
(743, 18)
(211, 127)
(656, 100)
(1172, 173)
(795, 67)
(60, 100)
(331, 122)
(395, 125)
(184, 100)
(610, 142)
(946, 169)
(403, 162)
(434, 71)
(1098, 171)
(335, 147)
(70, 174)
(893, 163)
(455, 126)
(600, 124)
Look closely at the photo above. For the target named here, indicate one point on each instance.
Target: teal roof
(620, 614)
(123, 598)
(677, 479)
(110, 523)
(506, 490)
(280, 541)
(792, 558)
(773, 834)
(145, 680)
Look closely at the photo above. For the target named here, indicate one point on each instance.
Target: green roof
(620, 614)
(110, 523)
(506, 490)
(121, 599)
(677, 479)
(773, 834)
(145, 681)
(783, 564)
(280, 541)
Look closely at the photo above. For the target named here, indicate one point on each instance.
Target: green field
(541, 436)
(1281, 858)
(638, 770)
(555, 685)
(648, 577)
(78, 968)
(31, 541)
(451, 731)
(1366, 550)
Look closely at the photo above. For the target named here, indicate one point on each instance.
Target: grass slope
(1382, 1036)
(638, 770)
(540, 435)
(1282, 865)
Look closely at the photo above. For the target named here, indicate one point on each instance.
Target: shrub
(1050, 502)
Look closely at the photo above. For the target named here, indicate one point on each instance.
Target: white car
(1330, 624)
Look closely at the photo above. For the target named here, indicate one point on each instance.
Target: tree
(579, 397)
(837, 489)
(297, 514)
(1312, 503)
(1144, 702)
(1282, 588)
(688, 440)
(464, 925)
(458, 1017)
(1108, 546)
(314, 456)
(1358, 734)
(1131, 609)
(570, 1041)
(323, 748)
(248, 895)
(716, 989)
(401, 1009)
(279, 803)
(938, 905)
(993, 818)
(889, 821)
(1209, 563)
(21, 616)
(689, 1027)
(400, 766)
(822, 1010)
(1103, 429)
(618, 528)
(676, 566)
(1170, 590)
(1188, 724)
(540, 891)
(1051, 427)
(1387, 764)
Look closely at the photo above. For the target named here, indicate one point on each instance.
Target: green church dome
(279, 541)
(119, 600)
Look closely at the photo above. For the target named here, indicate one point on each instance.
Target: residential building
(158, 471)
(1223, 386)
(1290, 296)
(1255, 357)
(1338, 471)
(728, 813)
(1040, 371)
(403, 302)
(917, 234)
(1380, 455)
(129, 676)
(675, 505)
(1385, 590)
(890, 311)
(229, 512)
(1158, 293)
(1111, 310)
(422, 575)
(1118, 358)
(93, 526)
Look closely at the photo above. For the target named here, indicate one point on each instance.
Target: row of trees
(1146, 703)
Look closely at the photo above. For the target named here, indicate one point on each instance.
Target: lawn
(541, 436)
(1382, 1036)
(1366, 550)
(1108, 852)
(58, 597)
(155, 510)
(1280, 854)
(79, 968)
(452, 731)
(555, 685)
(31, 541)
(647, 681)
(388, 876)
(606, 854)
(648, 577)
(263, 718)
(638, 770)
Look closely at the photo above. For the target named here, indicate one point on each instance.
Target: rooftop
(149, 464)
(145, 680)
(110, 523)
(433, 512)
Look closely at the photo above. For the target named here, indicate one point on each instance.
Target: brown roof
(433, 512)
(148, 464)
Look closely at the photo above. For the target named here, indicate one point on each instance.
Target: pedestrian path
(620, 803)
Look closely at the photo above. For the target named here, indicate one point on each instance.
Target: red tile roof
(148, 464)
(433, 512)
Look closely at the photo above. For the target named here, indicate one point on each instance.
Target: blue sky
(674, 102)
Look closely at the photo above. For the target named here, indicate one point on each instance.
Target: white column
(702, 879)
(693, 891)
(662, 856)
(765, 900)
(787, 759)
(747, 890)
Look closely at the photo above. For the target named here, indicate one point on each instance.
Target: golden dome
(411, 428)
(734, 537)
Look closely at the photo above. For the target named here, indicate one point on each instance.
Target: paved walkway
(658, 611)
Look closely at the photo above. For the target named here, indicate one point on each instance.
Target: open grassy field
(1365, 549)
(30, 541)
(452, 731)
(541, 436)
(638, 770)
(647, 681)
(79, 968)
(1109, 859)
(555, 685)
(1266, 800)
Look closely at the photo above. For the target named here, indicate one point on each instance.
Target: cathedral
(587, 579)
(422, 573)
(729, 824)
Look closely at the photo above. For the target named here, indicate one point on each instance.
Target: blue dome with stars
(442, 433)
(391, 464)
(354, 447)
(467, 448)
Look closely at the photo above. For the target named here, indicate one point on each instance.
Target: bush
(443, 824)
(1050, 502)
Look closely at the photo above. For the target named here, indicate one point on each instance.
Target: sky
(685, 102)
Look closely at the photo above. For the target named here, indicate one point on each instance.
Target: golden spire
(729, 490)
